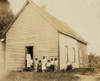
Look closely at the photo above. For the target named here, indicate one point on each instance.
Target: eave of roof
(59, 25)
(65, 29)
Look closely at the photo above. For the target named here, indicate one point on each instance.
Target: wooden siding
(70, 43)
(83, 48)
(1, 55)
(30, 29)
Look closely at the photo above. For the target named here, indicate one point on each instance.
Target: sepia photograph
(49, 40)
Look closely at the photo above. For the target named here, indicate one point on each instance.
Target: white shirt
(52, 62)
(48, 64)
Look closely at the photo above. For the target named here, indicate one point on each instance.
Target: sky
(81, 15)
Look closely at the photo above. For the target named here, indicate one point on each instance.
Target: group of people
(44, 65)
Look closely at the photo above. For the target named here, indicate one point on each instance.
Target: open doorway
(29, 57)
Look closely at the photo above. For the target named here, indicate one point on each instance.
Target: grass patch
(33, 76)
(85, 71)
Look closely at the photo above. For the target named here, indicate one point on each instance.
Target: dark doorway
(29, 50)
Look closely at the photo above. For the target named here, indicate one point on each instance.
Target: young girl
(39, 66)
(55, 65)
(36, 64)
(48, 66)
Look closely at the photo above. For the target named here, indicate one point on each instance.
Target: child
(48, 66)
(36, 64)
(39, 66)
(52, 65)
(56, 65)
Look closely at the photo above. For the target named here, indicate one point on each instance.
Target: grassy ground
(84, 75)
(33, 76)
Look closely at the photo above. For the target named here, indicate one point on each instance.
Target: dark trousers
(52, 68)
(39, 69)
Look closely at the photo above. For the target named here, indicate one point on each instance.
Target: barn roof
(59, 25)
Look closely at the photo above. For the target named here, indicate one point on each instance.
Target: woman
(28, 58)
(44, 61)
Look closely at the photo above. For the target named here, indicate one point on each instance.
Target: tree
(92, 57)
(6, 15)
(94, 61)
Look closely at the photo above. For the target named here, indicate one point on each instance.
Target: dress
(39, 67)
(28, 57)
(36, 65)
(44, 61)
(56, 65)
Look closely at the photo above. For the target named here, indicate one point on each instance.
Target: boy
(52, 65)
(48, 66)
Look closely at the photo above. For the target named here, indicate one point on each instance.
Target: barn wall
(70, 43)
(30, 29)
(82, 52)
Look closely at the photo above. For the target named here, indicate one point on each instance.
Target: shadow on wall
(2, 70)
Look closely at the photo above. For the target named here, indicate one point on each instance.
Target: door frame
(26, 53)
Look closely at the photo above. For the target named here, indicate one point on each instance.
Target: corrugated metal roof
(59, 25)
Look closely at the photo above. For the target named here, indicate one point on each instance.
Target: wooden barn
(35, 30)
